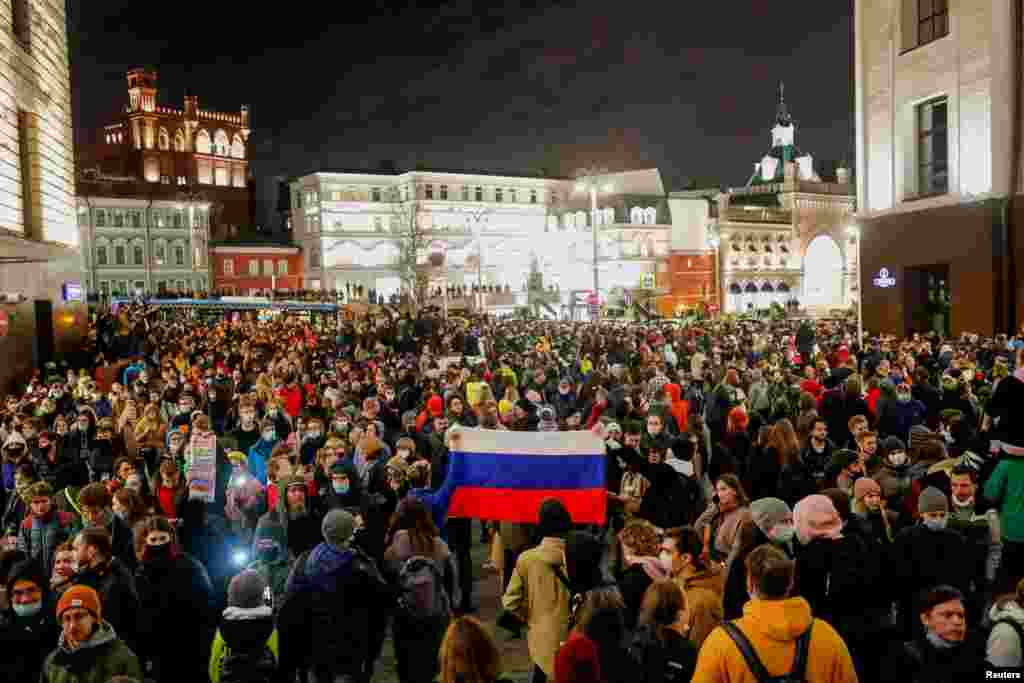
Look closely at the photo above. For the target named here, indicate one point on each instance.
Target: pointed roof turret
(782, 116)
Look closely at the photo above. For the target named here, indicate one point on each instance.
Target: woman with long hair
(594, 652)
(469, 654)
(413, 534)
(719, 524)
(661, 649)
(796, 480)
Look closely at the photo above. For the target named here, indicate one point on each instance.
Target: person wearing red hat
(89, 649)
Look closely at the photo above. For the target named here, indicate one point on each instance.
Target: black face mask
(156, 553)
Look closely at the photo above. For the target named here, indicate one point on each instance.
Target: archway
(823, 273)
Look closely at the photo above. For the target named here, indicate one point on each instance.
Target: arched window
(636, 215)
(220, 144)
(179, 141)
(202, 142)
(164, 139)
(101, 255)
(138, 255)
(237, 147)
(118, 219)
(650, 215)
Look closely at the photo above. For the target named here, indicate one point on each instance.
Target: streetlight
(714, 241)
(854, 232)
(589, 183)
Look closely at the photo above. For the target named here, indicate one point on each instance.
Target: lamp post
(854, 232)
(714, 242)
(589, 183)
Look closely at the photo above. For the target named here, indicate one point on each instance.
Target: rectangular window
(21, 22)
(512, 195)
(375, 194)
(159, 253)
(465, 193)
(118, 219)
(932, 20)
(268, 267)
(282, 267)
(428, 191)
(479, 193)
(104, 288)
(179, 256)
(197, 257)
(498, 194)
(533, 196)
(444, 192)
(181, 285)
(136, 219)
(932, 147)
(101, 256)
(137, 256)
(229, 267)
(119, 256)
(254, 267)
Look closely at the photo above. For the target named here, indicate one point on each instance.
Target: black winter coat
(837, 577)
(921, 557)
(27, 642)
(245, 633)
(115, 585)
(633, 584)
(917, 661)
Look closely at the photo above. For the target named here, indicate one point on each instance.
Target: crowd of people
(265, 500)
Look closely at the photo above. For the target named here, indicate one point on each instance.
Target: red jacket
(578, 661)
(292, 397)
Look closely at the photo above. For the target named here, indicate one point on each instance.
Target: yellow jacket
(772, 627)
(539, 598)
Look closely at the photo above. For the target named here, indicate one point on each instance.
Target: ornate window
(101, 218)
(163, 139)
(237, 147)
(119, 255)
(179, 141)
(221, 144)
(118, 219)
(101, 255)
(138, 257)
(203, 142)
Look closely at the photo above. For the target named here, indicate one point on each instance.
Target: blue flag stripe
(513, 471)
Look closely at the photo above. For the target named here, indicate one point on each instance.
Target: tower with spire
(772, 167)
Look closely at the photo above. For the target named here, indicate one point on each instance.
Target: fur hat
(246, 590)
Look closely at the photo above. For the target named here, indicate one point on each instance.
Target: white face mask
(898, 459)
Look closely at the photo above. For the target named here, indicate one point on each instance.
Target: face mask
(665, 559)
(134, 483)
(966, 503)
(898, 459)
(28, 610)
(340, 489)
(903, 398)
(312, 435)
(269, 435)
(153, 553)
(935, 524)
(782, 534)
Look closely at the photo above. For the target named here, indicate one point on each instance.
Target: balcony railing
(759, 215)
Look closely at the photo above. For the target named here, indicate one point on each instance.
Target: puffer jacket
(334, 613)
(40, 542)
(32, 638)
(1004, 647)
(245, 647)
(97, 660)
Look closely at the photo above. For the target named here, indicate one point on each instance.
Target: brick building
(241, 267)
(188, 154)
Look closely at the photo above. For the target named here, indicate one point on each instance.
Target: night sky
(687, 86)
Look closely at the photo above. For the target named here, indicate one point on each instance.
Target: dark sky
(534, 84)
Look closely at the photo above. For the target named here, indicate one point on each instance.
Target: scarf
(940, 643)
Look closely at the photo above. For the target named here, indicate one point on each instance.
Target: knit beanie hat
(246, 590)
(864, 486)
(816, 517)
(553, 519)
(82, 597)
(932, 500)
(767, 512)
(338, 527)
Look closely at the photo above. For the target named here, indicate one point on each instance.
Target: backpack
(1014, 624)
(798, 674)
(253, 666)
(422, 592)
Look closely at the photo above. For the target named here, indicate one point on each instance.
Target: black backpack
(798, 674)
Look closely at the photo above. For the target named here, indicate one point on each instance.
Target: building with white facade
(783, 237)
(492, 229)
(131, 244)
(40, 317)
(939, 158)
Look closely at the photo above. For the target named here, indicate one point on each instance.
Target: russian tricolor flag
(500, 475)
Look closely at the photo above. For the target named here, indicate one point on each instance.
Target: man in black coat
(115, 584)
(95, 504)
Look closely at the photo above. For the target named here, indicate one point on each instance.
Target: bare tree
(411, 240)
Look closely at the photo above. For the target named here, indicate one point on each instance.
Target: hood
(247, 629)
(104, 634)
(15, 438)
(780, 620)
(324, 567)
(674, 391)
(1008, 610)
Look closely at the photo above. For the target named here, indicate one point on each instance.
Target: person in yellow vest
(245, 646)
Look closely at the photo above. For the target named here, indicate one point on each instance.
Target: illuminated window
(203, 142)
(428, 191)
(229, 266)
(254, 267)
(375, 194)
(282, 267)
(101, 256)
(444, 192)
(164, 139)
(479, 194)
(498, 194)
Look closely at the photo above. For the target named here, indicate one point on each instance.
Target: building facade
(134, 244)
(182, 154)
(39, 318)
(784, 236)
(693, 264)
(243, 268)
(491, 229)
(939, 148)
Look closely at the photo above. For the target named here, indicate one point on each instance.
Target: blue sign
(72, 291)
